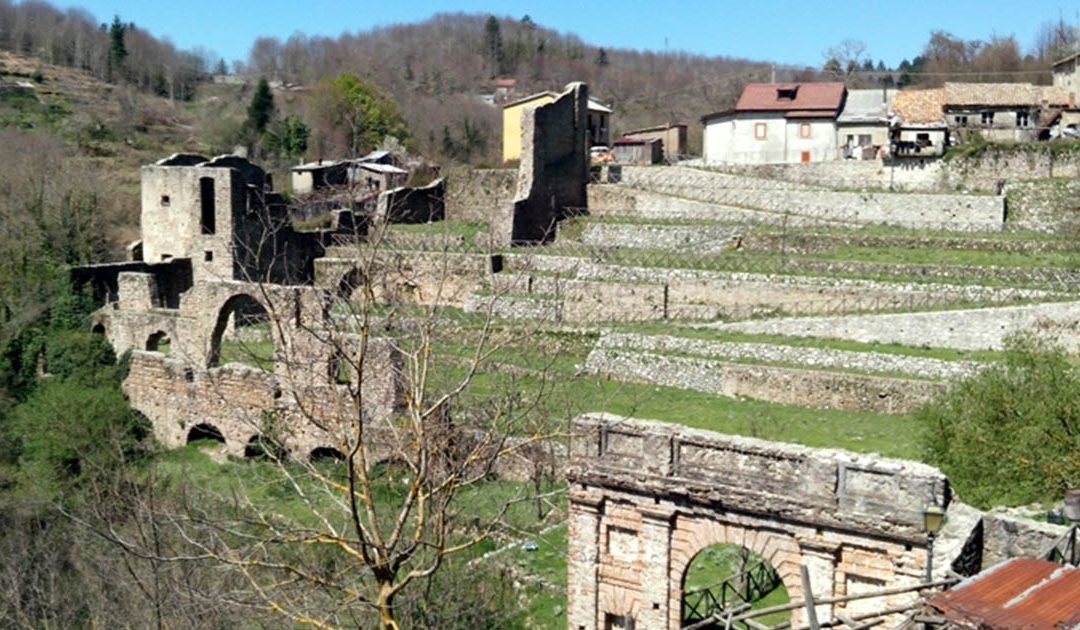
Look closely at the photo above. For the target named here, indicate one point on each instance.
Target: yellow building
(599, 122)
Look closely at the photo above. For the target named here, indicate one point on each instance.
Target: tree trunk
(385, 604)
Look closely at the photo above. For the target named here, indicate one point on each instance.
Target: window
(787, 94)
(208, 256)
(961, 121)
(865, 140)
(165, 201)
(759, 131)
(988, 118)
(804, 130)
(206, 201)
(1021, 119)
(922, 139)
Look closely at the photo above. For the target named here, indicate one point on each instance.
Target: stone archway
(236, 317)
(159, 342)
(646, 497)
(205, 432)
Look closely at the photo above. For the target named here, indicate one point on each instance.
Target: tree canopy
(1010, 435)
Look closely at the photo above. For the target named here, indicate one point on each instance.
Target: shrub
(1010, 435)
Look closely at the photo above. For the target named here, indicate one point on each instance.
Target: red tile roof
(766, 97)
(1022, 593)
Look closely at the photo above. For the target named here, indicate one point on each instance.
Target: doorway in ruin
(723, 578)
(205, 433)
(159, 342)
(242, 334)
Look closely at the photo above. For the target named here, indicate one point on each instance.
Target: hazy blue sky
(783, 31)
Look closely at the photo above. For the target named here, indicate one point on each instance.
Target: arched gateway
(646, 497)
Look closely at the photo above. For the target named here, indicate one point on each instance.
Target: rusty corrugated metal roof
(1018, 594)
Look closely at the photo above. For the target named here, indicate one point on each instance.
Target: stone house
(776, 123)
(223, 215)
(672, 135)
(307, 178)
(1009, 112)
(598, 122)
(1067, 74)
(376, 177)
(862, 128)
(917, 127)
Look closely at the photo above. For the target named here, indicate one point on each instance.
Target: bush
(1010, 435)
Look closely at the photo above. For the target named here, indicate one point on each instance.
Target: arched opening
(349, 283)
(242, 334)
(205, 433)
(721, 578)
(260, 447)
(98, 329)
(326, 454)
(159, 342)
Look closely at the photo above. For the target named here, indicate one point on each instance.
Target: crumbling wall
(554, 170)
(424, 204)
(476, 195)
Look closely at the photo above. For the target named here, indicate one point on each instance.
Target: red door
(805, 157)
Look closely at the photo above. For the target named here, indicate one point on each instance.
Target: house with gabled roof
(917, 127)
(862, 128)
(776, 123)
(1010, 112)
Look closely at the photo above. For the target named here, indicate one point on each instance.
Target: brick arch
(692, 535)
(618, 600)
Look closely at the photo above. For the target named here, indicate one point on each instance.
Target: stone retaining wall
(476, 194)
(820, 358)
(972, 329)
(914, 210)
(790, 386)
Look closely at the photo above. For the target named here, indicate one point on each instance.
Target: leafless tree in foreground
(414, 407)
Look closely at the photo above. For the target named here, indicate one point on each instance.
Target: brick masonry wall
(647, 497)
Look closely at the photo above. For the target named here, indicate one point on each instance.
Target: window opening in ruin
(208, 256)
(159, 342)
(242, 335)
(618, 622)
(723, 576)
(260, 447)
(988, 118)
(205, 433)
(326, 454)
(206, 205)
(98, 329)
(165, 201)
(961, 121)
(1021, 119)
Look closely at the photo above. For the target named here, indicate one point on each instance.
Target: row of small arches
(257, 447)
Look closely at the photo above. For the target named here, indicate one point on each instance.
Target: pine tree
(117, 49)
(601, 58)
(494, 45)
(261, 109)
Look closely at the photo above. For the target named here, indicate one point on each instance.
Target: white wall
(733, 140)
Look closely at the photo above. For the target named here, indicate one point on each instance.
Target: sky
(786, 32)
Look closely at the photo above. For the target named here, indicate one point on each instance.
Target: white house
(776, 123)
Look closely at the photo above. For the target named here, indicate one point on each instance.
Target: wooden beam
(811, 611)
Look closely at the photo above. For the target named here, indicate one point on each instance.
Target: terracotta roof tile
(767, 97)
(1003, 94)
(919, 107)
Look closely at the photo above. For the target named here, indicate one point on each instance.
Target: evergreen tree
(261, 109)
(117, 48)
(493, 45)
(601, 58)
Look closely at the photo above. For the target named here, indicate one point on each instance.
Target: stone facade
(476, 195)
(422, 204)
(553, 172)
(646, 498)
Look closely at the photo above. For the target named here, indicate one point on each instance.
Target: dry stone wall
(971, 329)
(955, 211)
(785, 385)
(475, 195)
